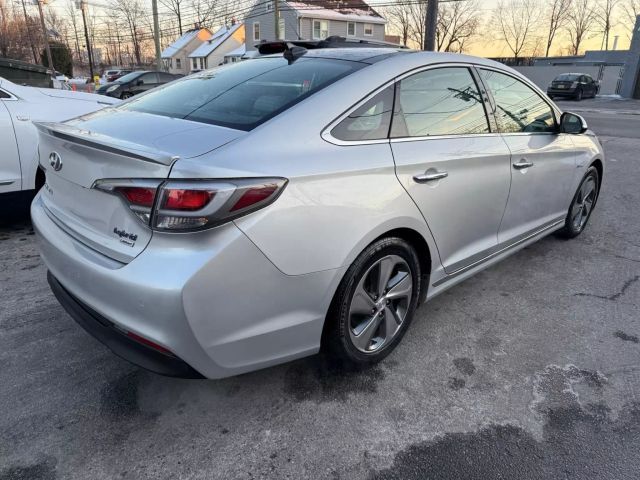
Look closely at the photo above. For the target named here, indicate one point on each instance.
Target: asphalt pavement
(529, 370)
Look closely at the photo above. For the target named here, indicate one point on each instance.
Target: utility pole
(26, 22)
(46, 37)
(430, 25)
(156, 33)
(83, 7)
(276, 14)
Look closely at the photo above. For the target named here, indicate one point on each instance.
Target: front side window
(244, 94)
(351, 29)
(518, 107)
(256, 31)
(368, 29)
(441, 101)
(149, 78)
(368, 122)
(320, 29)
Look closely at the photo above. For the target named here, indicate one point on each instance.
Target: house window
(194, 63)
(351, 29)
(203, 63)
(256, 31)
(281, 34)
(320, 29)
(178, 63)
(269, 6)
(368, 30)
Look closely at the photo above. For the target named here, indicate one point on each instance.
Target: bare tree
(417, 13)
(557, 16)
(631, 10)
(71, 13)
(203, 11)
(132, 13)
(400, 19)
(604, 16)
(457, 23)
(175, 7)
(516, 21)
(581, 20)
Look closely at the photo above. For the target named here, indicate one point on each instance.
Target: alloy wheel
(380, 303)
(583, 203)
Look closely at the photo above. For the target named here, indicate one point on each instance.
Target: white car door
(10, 175)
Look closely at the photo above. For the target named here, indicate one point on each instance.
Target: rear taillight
(187, 205)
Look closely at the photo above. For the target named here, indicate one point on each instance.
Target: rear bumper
(561, 92)
(106, 332)
(211, 298)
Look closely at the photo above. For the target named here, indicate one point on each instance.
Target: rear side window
(442, 101)
(519, 107)
(370, 121)
(243, 95)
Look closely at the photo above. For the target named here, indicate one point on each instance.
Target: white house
(212, 52)
(176, 55)
(236, 55)
(313, 20)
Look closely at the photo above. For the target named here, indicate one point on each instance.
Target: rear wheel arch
(421, 247)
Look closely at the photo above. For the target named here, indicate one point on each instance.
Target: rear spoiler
(104, 142)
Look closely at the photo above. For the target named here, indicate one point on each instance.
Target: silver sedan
(253, 214)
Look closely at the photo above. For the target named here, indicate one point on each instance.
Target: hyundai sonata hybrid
(252, 214)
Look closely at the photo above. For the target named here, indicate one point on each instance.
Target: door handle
(522, 164)
(430, 177)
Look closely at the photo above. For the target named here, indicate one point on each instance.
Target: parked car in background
(573, 85)
(228, 222)
(19, 107)
(136, 82)
(115, 76)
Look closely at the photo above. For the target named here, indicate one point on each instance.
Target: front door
(543, 162)
(10, 177)
(456, 171)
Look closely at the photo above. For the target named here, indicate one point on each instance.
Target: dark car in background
(573, 85)
(136, 82)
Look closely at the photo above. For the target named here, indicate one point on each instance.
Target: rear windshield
(567, 77)
(243, 95)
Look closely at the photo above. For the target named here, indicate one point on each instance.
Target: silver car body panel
(255, 292)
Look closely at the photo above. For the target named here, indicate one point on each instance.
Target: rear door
(542, 159)
(10, 176)
(447, 158)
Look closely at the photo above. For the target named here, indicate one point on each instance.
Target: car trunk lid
(75, 158)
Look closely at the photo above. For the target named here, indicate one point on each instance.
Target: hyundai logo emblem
(55, 161)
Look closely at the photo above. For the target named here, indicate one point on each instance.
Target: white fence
(609, 75)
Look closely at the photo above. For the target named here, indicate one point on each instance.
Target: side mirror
(572, 123)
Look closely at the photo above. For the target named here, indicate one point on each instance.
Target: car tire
(369, 315)
(125, 95)
(579, 95)
(582, 205)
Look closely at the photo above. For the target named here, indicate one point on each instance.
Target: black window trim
(326, 135)
(554, 109)
(487, 117)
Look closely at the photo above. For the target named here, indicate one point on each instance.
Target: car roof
(401, 55)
